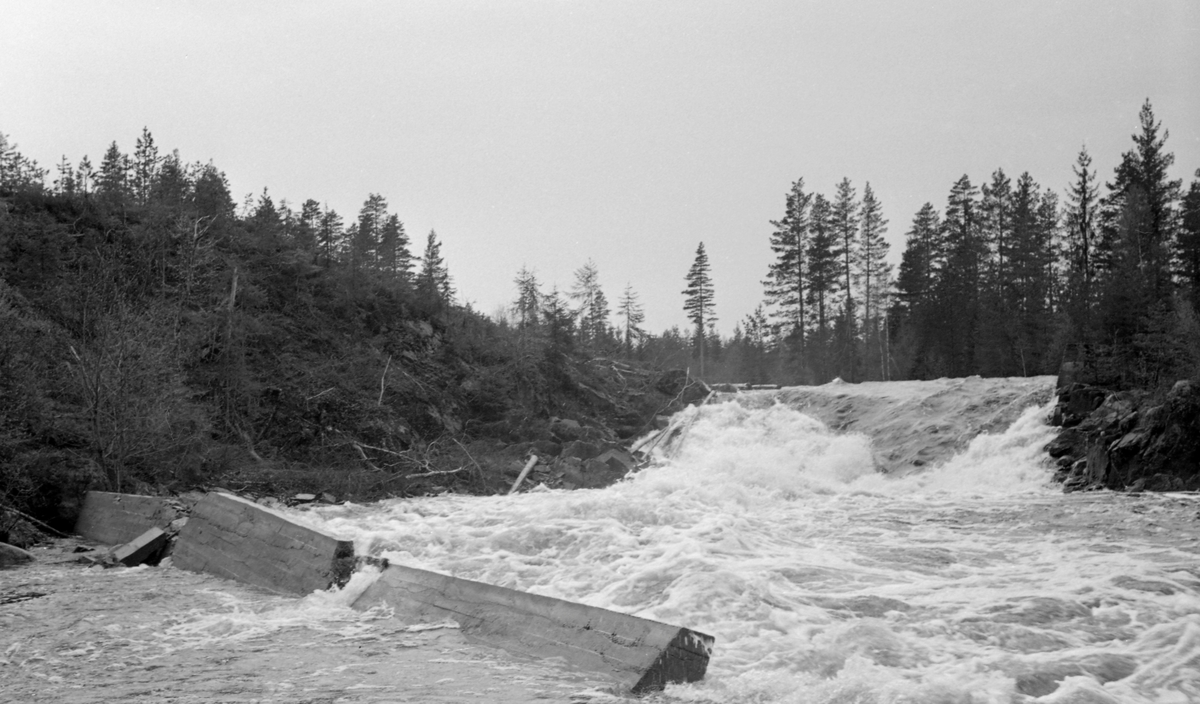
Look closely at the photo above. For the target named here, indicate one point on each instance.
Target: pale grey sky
(547, 132)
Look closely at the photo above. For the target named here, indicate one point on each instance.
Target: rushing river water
(823, 580)
(826, 581)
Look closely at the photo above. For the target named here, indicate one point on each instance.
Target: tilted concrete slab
(637, 654)
(237, 539)
(116, 519)
(141, 548)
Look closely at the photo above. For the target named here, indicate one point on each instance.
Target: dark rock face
(1127, 440)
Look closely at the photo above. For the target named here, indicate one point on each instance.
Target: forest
(155, 333)
(1009, 279)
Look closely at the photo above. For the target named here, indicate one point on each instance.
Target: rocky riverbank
(1127, 440)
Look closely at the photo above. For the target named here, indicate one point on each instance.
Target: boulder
(618, 460)
(13, 555)
(580, 449)
(565, 429)
(597, 473)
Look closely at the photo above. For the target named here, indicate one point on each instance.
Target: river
(974, 580)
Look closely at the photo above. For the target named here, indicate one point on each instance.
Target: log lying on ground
(234, 538)
(116, 519)
(637, 654)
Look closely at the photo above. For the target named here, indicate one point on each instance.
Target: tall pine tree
(785, 282)
(875, 273)
(698, 303)
(629, 310)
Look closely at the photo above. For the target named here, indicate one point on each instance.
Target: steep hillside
(171, 343)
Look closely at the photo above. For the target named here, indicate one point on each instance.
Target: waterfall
(894, 542)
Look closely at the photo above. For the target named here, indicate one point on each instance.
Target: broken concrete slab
(141, 548)
(240, 540)
(636, 654)
(116, 519)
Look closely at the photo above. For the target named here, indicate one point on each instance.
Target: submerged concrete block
(637, 654)
(141, 548)
(237, 539)
(116, 519)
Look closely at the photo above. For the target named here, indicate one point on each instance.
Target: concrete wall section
(116, 519)
(635, 653)
(237, 539)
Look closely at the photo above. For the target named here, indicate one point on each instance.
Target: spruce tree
(210, 193)
(145, 167)
(265, 222)
(1138, 214)
(995, 206)
(844, 217)
(698, 303)
(785, 282)
(84, 173)
(1187, 249)
(395, 258)
(923, 256)
(527, 306)
(330, 235)
(591, 309)
(365, 244)
(1027, 290)
(559, 324)
(597, 318)
(16, 171)
(112, 185)
(824, 256)
(308, 224)
(959, 281)
(64, 185)
(875, 273)
(756, 332)
(1138, 224)
(632, 316)
(433, 283)
(172, 187)
(1080, 245)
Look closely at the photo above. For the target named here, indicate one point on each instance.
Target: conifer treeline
(376, 241)
(1006, 280)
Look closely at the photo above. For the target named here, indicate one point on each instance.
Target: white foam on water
(327, 613)
(824, 581)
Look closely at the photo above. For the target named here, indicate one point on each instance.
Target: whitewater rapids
(845, 544)
(825, 580)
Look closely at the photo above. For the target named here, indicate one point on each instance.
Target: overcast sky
(543, 133)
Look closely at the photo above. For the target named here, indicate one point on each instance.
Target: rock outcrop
(1127, 440)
